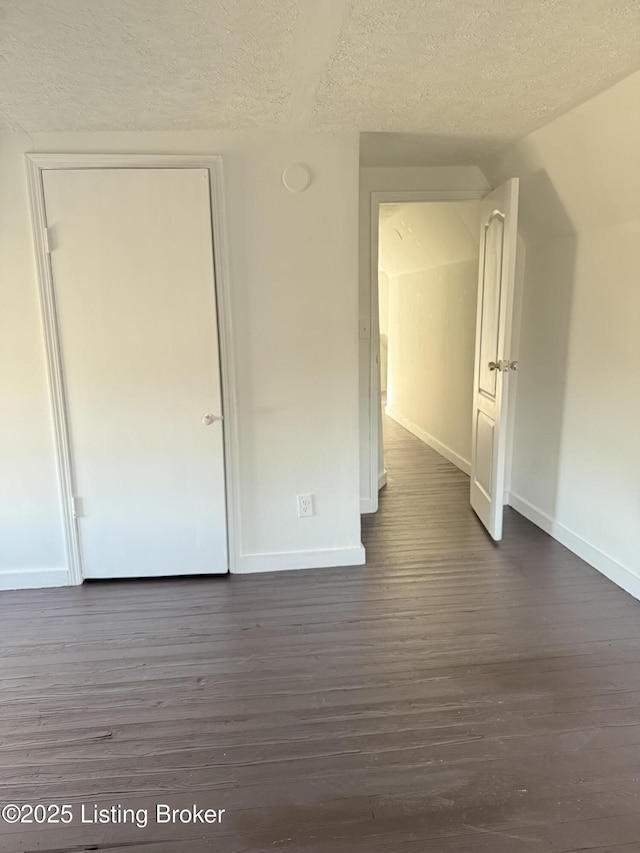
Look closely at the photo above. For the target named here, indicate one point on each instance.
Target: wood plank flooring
(454, 696)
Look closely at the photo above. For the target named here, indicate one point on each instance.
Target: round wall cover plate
(296, 177)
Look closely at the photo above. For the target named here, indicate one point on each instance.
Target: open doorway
(427, 297)
(491, 418)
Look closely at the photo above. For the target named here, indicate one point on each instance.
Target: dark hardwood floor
(454, 696)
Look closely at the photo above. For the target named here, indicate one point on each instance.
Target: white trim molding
(54, 368)
(285, 560)
(606, 565)
(443, 449)
(34, 578)
(35, 165)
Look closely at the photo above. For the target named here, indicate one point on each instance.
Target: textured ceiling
(423, 235)
(467, 75)
(145, 64)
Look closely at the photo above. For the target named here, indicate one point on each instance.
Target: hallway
(453, 696)
(425, 516)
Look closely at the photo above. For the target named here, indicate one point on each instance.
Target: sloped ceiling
(420, 236)
(471, 74)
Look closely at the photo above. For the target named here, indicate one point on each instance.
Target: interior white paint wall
(432, 318)
(31, 542)
(576, 465)
(293, 280)
(383, 326)
(430, 249)
(374, 179)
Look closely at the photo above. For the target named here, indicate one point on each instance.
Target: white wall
(400, 178)
(293, 279)
(383, 326)
(576, 463)
(30, 520)
(431, 250)
(432, 317)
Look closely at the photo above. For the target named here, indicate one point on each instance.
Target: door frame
(377, 198)
(35, 165)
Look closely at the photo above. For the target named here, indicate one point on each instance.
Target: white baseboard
(612, 569)
(382, 480)
(438, 446)
(539, 518)
(33, 578)
(322, 559)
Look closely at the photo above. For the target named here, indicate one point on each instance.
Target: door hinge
(47, 241)
(75, 507)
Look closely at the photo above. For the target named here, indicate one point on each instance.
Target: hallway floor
(453, 696)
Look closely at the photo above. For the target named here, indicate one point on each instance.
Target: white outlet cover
(305, 506)
(296, 177)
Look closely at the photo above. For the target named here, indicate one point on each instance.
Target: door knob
(210, 418)
(504, 366)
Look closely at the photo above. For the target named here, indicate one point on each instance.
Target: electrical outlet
(305, 505)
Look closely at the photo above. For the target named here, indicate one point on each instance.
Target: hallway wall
(383, 324)
(432, 316)
(430, 254)
(576, 463)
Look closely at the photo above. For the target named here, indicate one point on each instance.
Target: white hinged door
(132, 266)
(498, 239)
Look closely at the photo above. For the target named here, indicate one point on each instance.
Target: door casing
(35, 164)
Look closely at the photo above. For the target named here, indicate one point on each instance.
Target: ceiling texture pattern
(420, 236)
(472, 73)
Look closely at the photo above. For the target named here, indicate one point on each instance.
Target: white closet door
(132, 264)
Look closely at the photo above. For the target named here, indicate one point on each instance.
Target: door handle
(210, 418)
(504, 366)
